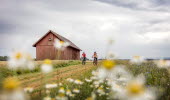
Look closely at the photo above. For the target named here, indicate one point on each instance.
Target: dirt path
(57, 75)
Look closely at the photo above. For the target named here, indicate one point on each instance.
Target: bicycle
(95, 61)
(84, 61)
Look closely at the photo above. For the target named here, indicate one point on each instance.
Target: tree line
(3, 58)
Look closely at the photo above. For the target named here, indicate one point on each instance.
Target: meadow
(155, 77)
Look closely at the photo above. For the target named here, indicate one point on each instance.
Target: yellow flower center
(76, 90)
(61, 42)
(11, 83)
(78, 80)
(47, 61)
(68, 90)
(135, 88)
(108, 64)
(18, 55)
(100, 88)
(61, 88)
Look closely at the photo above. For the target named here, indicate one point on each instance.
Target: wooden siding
(46, 50)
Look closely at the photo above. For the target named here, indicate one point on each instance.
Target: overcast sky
(138, 27)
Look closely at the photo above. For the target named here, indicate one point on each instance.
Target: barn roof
(60, 37)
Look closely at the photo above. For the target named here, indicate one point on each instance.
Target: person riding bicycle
(83, 58)
(95, 58)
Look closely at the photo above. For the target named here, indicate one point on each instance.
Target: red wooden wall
(46, 50)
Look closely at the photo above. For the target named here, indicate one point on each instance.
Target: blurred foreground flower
(12, 90)
(136, 90)
(59, 44)
(137, 60)
(20, 60)
(47, 67)
(108, 64)
(14, 95)
(111, 71)
(110, 55)
(163, 63)
(116, 88)
(11, 83)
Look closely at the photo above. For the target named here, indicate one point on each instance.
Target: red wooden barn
(45, 48)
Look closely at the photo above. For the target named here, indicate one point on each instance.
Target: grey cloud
(6, 26)
(150, 5)
(87, 23)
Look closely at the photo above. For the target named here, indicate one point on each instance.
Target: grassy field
(62, 70)
(155, 77)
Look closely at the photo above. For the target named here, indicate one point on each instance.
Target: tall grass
(5, 72)
(155, 77)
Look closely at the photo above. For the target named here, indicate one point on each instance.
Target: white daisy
(59, 44)
(20, 60)
(76, 90)
(163, 63)
(137, 60)
(136, 90)
(17, 60)
(46, 67)
(50, 86)
(68, 92)
(70, 80)
(120, 75)
(87, 80)
(116, 88)
(61, 90)
(78, 82)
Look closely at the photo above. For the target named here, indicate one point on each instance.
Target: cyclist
(83, 58)
(95, 58)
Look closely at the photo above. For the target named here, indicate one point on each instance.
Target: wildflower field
(70, 80)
